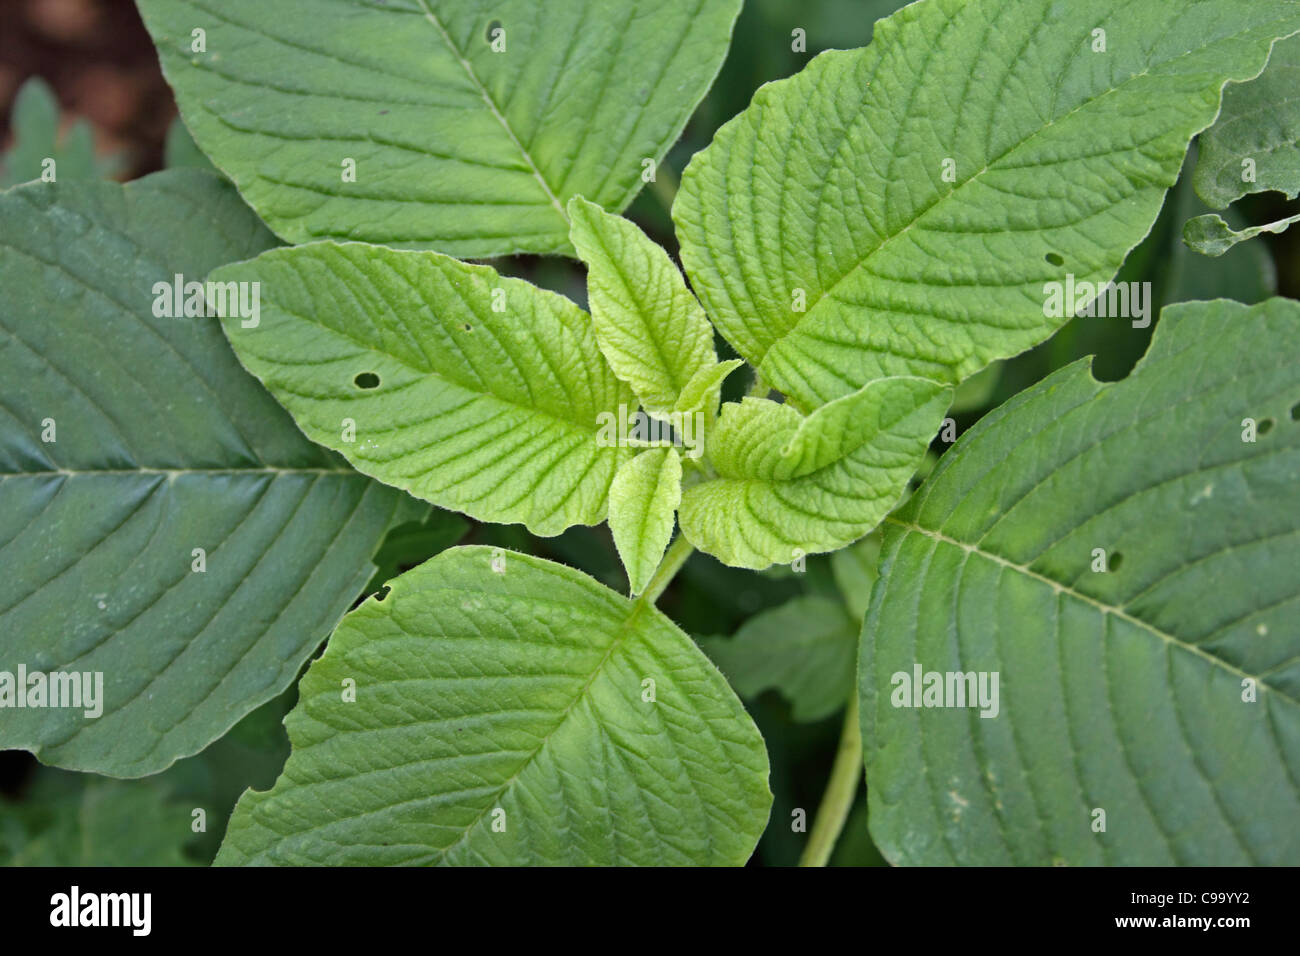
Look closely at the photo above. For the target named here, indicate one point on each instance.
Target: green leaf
(1211, 236)
(129, 440)
(79, 820)
(457, 147)
(1246, 273)
(503, 715)
(479, 393)
(1125, 562)
(791, 485)
(1254, 146)
(703, 392)
(855, 571)
(643, 501)
(803, 648)
(649, 326)
(181, 150)
(833, 192)
(36, 138)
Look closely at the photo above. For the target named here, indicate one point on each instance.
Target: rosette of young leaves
(789, 484)
(482, 394)
(501, 709)
(897, 210)
(1122, 558)
(163, 524)
(457, 125)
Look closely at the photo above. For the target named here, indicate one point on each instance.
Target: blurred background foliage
(79, 81)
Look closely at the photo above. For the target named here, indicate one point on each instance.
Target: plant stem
(840, 791)
(674, 558)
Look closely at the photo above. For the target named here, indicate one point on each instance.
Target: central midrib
(492, 106)
(1102, 606)
(625, 630)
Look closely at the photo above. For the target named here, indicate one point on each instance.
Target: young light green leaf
(791, 485)
(457, 125)
(1254, 146)
(1121, 557)
(883, 213)
(163, 524)
(649, 326)
(804, 648)
(508, 710)
(1211, 236)
(703, 392)
(479, 393)
(643, 500)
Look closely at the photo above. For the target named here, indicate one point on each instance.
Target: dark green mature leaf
(478, 393)
(509, 711)
(81, 820)
(897, 210)
(1126, 674)
(159, 444)
(457, 147)
(179, 149)
(1254, 145)
(855, 572)
(804, 648)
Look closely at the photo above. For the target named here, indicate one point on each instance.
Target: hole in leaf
(1055, 259)
(1265, 426)
(382, 592)
(366, 380)
(492, 28)
(1295, 412)
(1116, 560)
(467, 327)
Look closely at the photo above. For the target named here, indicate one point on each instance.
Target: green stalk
(840, 791)
(674, 558)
